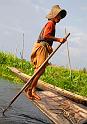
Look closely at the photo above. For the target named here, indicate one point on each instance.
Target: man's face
(57, 18)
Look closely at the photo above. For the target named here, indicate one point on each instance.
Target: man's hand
(62, 40)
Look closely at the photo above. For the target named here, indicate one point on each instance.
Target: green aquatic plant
(55, 75)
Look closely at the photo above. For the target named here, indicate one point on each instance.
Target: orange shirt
(48, 30)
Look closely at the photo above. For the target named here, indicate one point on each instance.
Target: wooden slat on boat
(54, 105)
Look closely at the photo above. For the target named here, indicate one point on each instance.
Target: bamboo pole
(22, 54)
(30, 80)
(69, 60)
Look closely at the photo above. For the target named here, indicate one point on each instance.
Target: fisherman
(43, 47)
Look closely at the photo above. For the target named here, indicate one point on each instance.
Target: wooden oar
(30, 80)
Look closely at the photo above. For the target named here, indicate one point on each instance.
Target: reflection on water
(22, 110)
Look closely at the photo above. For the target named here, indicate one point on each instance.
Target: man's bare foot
(36, 96)
(28, 93)
(30, 97)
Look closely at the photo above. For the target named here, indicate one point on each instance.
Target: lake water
(22, 111)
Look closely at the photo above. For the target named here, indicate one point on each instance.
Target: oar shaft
(30, 80)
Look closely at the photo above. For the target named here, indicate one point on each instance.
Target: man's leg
(30, 90)
(40, 56)
(34, 83)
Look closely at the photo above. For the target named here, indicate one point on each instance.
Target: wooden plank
(46, 105)
(61, 110)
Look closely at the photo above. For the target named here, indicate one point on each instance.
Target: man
(43, 47)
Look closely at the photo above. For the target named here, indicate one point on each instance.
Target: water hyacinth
(55, 75)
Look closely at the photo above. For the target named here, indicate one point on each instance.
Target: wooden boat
(60, 106)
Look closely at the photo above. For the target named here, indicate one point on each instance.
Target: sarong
(39, 54)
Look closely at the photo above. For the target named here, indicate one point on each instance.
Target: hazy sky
(28, 17)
